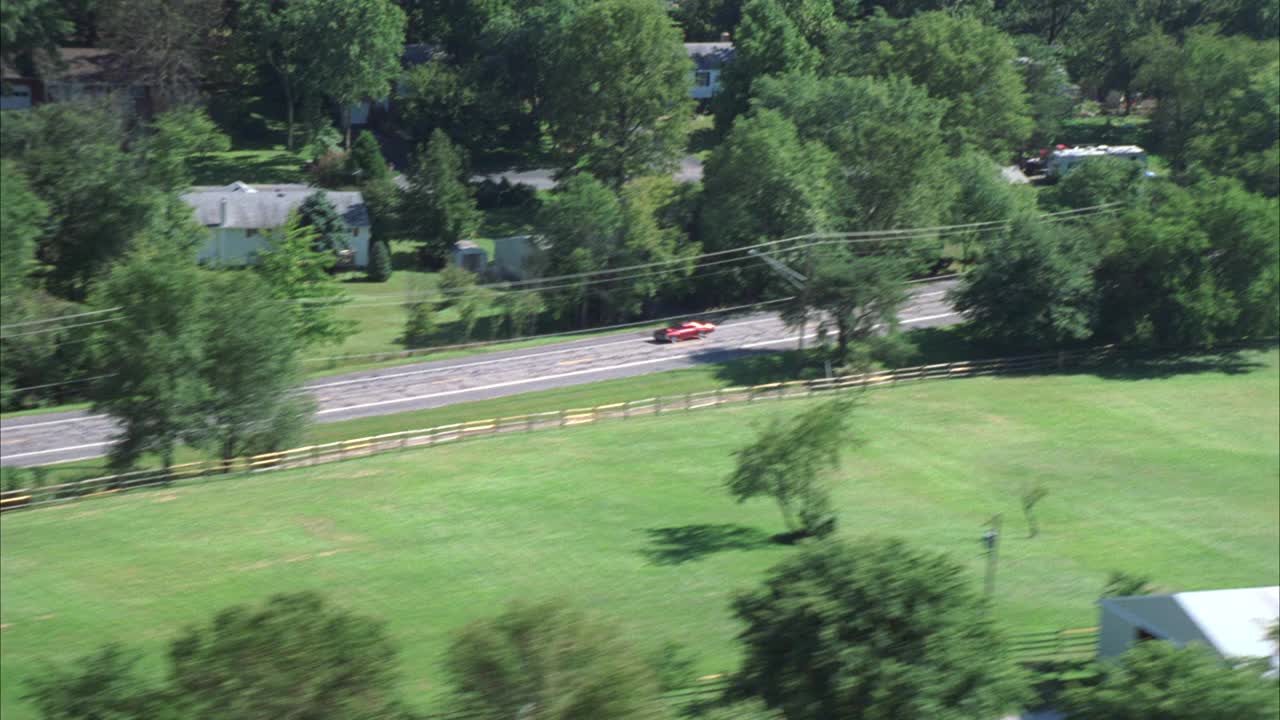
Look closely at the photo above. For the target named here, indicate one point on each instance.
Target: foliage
(383, 199)
(420, 325)
(104, 684)
(319, 214)
(354, 49)
(1033, 286)
(787, 462)
(1123, 584)
(706, 20)
(857, 294)
(97, 195)
(22, 222)
(379, 261)
(552, 661)
(252, 370)
(1159, 680)
(154, 348)
(581, 221)
(877, 629)
(454, 280)
(960, 60)
(767, 43)
(366, 157)
(1048, 88)
(28, 27)
(983, 195)
(330, 167)
(175, 138)
(1094, 182)
(162, 44)
(280, 36)
(1219, 104)
(520, 311)
(617, 90)
(764, 183)
(886, 136)
(439, 207)
(295, 273)
(1209, 260)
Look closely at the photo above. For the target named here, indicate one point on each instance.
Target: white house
(240, 218)
(1233, 623)
(709, 59)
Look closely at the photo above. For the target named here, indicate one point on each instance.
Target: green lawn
(263, 166)
(1168, 470)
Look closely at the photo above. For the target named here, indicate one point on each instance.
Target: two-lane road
(58, 437)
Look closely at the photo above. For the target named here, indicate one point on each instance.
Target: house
(76, 73)
(240, 218)
(709, 59)
(470, 256)
(1234, 623)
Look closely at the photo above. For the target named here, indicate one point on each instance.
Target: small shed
(709, 59)
(1234, 623)
(470, 256)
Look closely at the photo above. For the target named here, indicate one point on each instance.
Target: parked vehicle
(689, 330)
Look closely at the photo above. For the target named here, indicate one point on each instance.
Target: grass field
(1168, 470)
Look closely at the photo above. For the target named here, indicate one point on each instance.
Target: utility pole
(991, 540)
(800, 282)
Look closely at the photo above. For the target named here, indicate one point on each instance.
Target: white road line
(54, 450)
(8, 428)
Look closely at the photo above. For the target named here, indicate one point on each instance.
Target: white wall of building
(238, 246)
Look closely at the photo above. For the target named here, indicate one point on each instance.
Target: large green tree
(317, 212)
(767, 42)
(1033, 286)
(618, 91)
(176, 139)
(787, 462)
(1159, 681)
(874, 630)
(22, 222)
(296, 275)
(251, 369)
(856, 293)
(552, 662)
(154, 345)
(31, 27)
(163, 44)
(887, 138)
(960, 60)
(439, 207)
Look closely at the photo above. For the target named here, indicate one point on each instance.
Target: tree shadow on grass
(687, 543)
(253, 167)
(1154, 367)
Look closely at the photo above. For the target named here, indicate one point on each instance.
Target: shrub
(330, 169)
(420, 326)
(379, 261)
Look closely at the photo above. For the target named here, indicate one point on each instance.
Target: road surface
(60, 437)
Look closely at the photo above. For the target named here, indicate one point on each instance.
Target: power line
(60, 318)
(60, 329)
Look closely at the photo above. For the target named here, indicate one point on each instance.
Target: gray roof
(709, 55)
(267, 206)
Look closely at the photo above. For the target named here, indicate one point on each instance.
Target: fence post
(528, 423)
(687, 401)
(562, 418)
(719, 396)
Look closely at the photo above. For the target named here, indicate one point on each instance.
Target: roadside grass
(630, 518)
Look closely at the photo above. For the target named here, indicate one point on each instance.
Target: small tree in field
(420, 326)
(786, 463)
(379, 261)
(874, 630)
(317, 212)
(439, 206)
(551, 662)
(1158, 681)
(1032, 493)
(294, 271)
(367, 158)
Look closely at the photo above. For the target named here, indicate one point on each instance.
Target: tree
(856, 294)
(962, 61)
(22, 220)
(440, 207)
(280, 35)
(787, 461)
(1033, 286)
(97, 195)
(618, 91)
(251, 369)
(28, 27)
(767, 43)
(318, 213)
(765, 183)
(520, 311)
(295, 274)
(104, 684)
(581, 222)
(356, 49)
(155, 391)
(875, 630)
(167, 51)
(1094, 182)
(983, 195)
(1208, 264)
(176, 136)
(420, 325)
(887, 139)
(1159, 680)
(1123, 584)
(551, 661)
(1048, 88)
(379, 261)
(383, 199)
(367, 158)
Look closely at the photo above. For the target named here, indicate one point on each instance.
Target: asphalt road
(59, 437)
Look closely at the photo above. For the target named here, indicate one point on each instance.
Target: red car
(690, 330)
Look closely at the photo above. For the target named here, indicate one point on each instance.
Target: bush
(454, 280)
(330, 169)
(491, 195)
(379, 261)
(421, 325)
